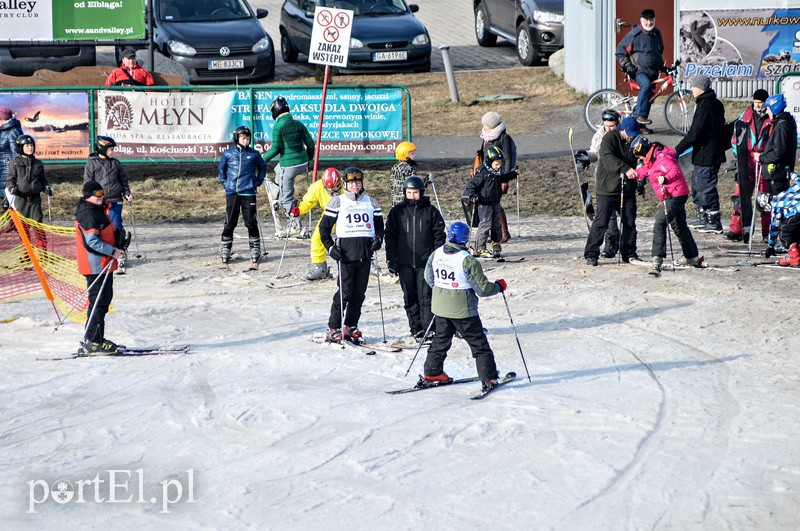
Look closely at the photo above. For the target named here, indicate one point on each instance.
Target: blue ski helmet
(458, 233)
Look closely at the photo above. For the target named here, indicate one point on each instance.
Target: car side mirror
(413, 8)
(261, 13)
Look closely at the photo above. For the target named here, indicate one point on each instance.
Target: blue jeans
(704, 187)
(115, 215)
(643, 101)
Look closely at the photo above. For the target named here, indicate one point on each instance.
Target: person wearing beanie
(129, 73)
(615, 185)
(10, 129)
(705, 137)
(780, 150)
(640, 55)
(98, 247)
(405, 167)
(750, 133)
(494, 133)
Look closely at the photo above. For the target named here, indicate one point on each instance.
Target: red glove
(502, 283)
(295, 212)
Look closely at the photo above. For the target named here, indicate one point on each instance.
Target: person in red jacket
(96, 245)
(129, 73)
(660, 167)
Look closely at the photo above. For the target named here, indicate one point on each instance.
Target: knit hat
(6, 113)
(701, 81)
(776, 103)
(630, 126)
(760, 95)
(90, 187)
(491, 119)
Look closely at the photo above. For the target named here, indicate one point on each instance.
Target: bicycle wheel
(679, 111)
(601, 100)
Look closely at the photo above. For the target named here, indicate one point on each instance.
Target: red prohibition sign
(341, 20)
(330, 34)
(325, 18)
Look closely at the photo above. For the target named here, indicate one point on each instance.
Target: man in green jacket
(292, 141)
(458, 280)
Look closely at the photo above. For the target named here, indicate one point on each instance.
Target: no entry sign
(330, 36)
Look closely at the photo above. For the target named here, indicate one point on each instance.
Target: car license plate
(225, 64)
(390, 56)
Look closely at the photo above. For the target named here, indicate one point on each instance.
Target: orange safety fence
(53, 268)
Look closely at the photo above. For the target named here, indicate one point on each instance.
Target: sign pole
(319, 126)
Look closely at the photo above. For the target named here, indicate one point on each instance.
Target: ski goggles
(353, 176)
(99, 193)
(608, 117)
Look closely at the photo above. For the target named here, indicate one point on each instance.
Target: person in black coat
(640, 54)
(414, 229)
(707, 138)
(780, 150)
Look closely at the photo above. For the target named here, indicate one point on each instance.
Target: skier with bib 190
(359, 234)
(319, 193)
(458, 280)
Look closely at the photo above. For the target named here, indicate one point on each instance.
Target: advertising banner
(58, 122)
(739, 44)
(166, 125)
(359, 121)
(789, 86)
(71, 20)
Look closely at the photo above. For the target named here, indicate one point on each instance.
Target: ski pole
(49, 210)
(436, 195)
(427, 331)
(755, 202)
(261, 236)
(621, 223)
(472, 217)
(283, 252)
(577, 176)
(133, 221)
(341, 299)
(99, 294)
(518, 221)
(503, 293)
(85, 292)
(380, 297)
(669, 226)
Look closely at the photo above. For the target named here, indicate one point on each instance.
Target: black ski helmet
(640, 146)
(353, 174)
(493, 153)
(241, 130)
(278, 107)
(102, 143)
(24, 140)
(414, 182)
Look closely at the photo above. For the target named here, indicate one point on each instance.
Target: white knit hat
(491, 119)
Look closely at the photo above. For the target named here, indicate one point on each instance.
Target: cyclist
(640, 55)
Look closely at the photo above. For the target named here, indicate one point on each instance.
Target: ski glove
(48, 191)
(640, 187)
(630, 70)
(294, 212)
(392, 267)
(376, 244)
(335, 252)
(502, 283)
(769, 252)
(582, 159)
(473, 199)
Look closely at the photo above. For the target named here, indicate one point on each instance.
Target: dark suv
(535, 26)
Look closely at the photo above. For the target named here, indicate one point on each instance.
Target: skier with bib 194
(457, 279)
(359, 234)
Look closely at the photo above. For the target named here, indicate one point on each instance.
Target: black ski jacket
(706, 135)
(614, 158)
(486, 185)
(414, 229)
(26, 174)
(781, 146)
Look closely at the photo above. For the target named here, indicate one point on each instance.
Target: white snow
(656, 403)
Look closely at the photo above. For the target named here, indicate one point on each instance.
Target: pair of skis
(423, 385)
(127, 352)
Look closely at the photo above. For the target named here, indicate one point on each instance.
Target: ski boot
(657, 263)
(712, 225)
(497, 250)
(103, 348)
(319, 272)
(255, 253)
(352, 334)
(438, 379)
(611, 247)
(226, 244)
(697, 261)
(488, 385)
(333, 335)
(121, 262)
(482, 253)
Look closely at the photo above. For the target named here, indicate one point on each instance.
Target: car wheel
(482, 27)
(525, 49)
(288, 51)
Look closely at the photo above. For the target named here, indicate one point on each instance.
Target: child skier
(414, 228)
(241, 172)
(458, 280)
(660, 166)
(405, 153)
(108, 172)
(484, 192)
(784, 230)
(359, 233)
(26, 180)
(319, 193)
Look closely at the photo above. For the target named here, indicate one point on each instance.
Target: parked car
(216, 40)
(25, 60)
(536, 27)
(385, 35)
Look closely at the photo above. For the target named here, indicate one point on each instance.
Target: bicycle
(678, 109)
